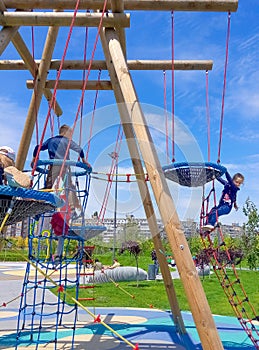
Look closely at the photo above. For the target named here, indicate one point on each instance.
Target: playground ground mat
(149, 328)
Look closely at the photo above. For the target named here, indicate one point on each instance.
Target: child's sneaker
(17, 178)
(207, 227)
(56, 261)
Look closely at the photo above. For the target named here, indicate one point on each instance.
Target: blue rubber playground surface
(146, 328)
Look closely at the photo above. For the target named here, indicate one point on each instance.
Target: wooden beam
(189, 276)
(63, 19)
(6, 35)
(36, 97)
(144, 191)
(167, 64)
(98, 64)
(74, 85)
(146, 5)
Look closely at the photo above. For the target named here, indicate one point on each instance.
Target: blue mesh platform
(193, 174)
(86, 232)
(25, 203)
(83, 168)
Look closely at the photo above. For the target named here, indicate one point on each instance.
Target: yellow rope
(8, 213)
(119, 287)
(47, 232)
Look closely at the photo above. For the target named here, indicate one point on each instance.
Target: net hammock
(193, 174)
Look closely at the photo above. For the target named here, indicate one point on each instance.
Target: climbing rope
(92, 119)
(208, 113)
(166, 119)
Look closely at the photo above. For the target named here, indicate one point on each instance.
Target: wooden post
(36, 97)
(134, 118)
(144, 192)
(118, 7)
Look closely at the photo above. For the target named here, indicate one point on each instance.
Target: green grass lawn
(152, 293)
(127, 294)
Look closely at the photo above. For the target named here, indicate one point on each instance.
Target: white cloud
(12, 119)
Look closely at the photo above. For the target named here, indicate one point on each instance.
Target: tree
(224, 257)
(195, 244)
(21, 242)
(134, 249)
(250, 237)
(147, 246)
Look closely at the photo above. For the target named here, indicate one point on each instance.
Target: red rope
(208, 113)
(224, 88)
(83, 88)
(173, 106)
(55, 87)
(92, 120)
(52, 124)
(166, 118)
(111, 175)
(34, 79)
(56, 84)
(82, 109)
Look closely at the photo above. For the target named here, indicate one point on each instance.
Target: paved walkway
(150, 329)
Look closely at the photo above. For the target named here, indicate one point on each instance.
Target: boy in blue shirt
(227, 200)
(57, 148)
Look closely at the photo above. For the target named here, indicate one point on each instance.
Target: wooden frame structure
(135, 127)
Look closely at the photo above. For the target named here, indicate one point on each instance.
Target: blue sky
(197, 36)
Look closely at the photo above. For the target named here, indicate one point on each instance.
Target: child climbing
(57, 149)
(227, 200)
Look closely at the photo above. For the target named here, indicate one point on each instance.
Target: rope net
(56, 248)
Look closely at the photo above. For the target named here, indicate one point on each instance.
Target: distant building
(189, 226)
(233, 230)
(18, 229)
(132, 228)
